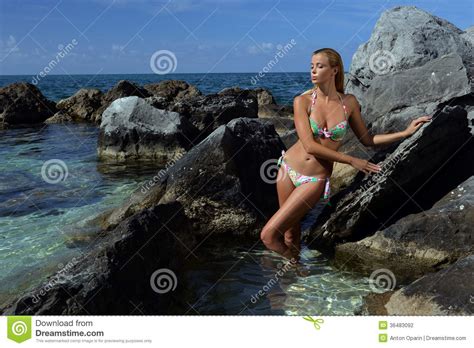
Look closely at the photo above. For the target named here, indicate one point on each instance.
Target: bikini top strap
(343, 106)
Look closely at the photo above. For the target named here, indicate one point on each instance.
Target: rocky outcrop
(405, 37)
(116, 274)
(446, 292)
(209, 112)
(412, 61)
(225, 183)
(22, 104)
(412, 177)
(83, 106)
(418, 243)
(133, 129)
(171, 91)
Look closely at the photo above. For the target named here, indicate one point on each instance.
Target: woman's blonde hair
(335, 60)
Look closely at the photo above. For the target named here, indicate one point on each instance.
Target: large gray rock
(405, 37)
(115, 274)
(418, 243)
(436, 81)
(407, 67)
(378, 200)
(446, 292)
(23, 104)
(133, 129)
(226, 183)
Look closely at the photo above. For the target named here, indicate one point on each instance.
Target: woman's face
(321, 71)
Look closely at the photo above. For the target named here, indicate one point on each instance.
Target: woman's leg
(292, 236)
(300, 201)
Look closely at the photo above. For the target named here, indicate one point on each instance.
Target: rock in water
(133, 129)
(22, 104)
(418, 243)
(83, 106)
(115, 275)
(172, 91)
(226, 183)
(446, 292)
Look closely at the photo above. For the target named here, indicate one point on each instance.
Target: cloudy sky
(122, 36)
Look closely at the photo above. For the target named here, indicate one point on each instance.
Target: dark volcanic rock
(211, 111)
(374, 201)
(418, 243)
(21, 104)
(115, 276)
(226, 183)
(447, 292)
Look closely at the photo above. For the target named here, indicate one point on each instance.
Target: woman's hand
(415, 124)
(365, 166)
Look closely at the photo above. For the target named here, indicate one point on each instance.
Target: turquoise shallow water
(41, 211)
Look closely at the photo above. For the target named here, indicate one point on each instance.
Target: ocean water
(51, 185)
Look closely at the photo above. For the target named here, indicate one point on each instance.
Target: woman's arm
(305, 134)
(360, 130)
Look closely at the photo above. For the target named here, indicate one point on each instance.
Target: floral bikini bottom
(300, 179)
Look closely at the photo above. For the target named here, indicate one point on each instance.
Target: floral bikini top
(336, 133)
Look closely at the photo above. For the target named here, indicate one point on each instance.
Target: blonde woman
(322, 117)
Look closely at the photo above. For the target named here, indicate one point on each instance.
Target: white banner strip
(236, 331)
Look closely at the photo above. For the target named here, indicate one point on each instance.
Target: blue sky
(121, 36)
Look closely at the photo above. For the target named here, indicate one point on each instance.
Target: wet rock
(446, 292)
(22, 104)
(115, 275)
(418, 243)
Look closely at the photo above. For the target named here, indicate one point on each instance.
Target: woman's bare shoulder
(351, 101)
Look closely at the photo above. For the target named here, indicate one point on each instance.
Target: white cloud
(263, 47)
(116, 47)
